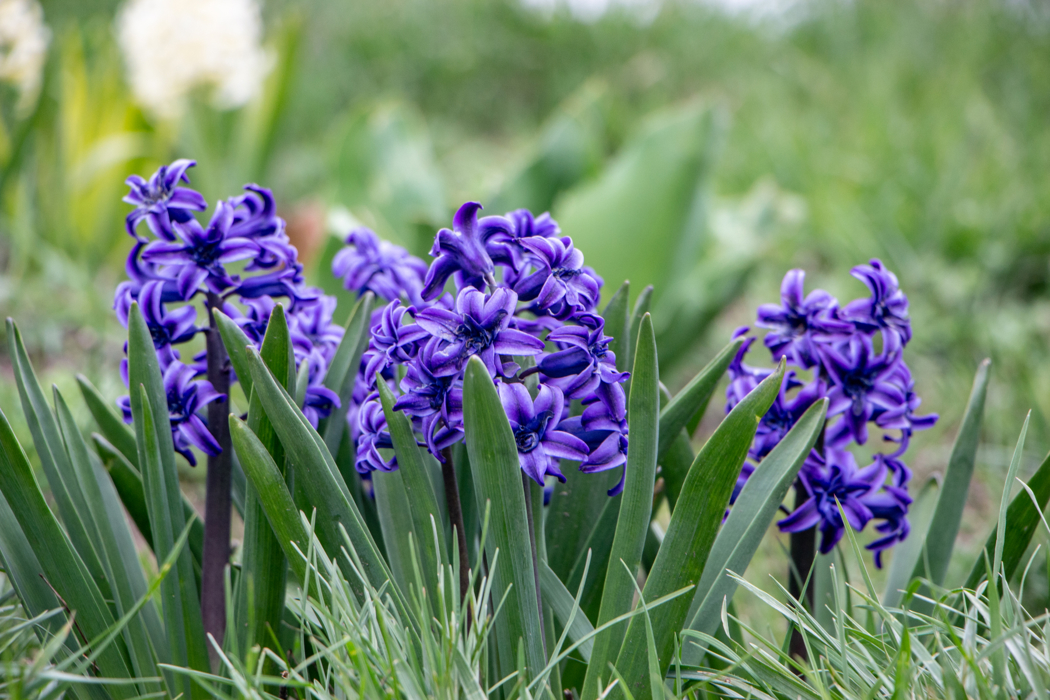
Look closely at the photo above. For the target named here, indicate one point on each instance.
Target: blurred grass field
(816, 135)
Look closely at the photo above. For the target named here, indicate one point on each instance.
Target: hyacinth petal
(439, 322)
(802, 518)
(437, 276)
(534, 464)
(515, 342)
(564, 446)
(516, 402)
(189, 281)
(791, 289)
(197, 433)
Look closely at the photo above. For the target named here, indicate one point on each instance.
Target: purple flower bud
(372, 437)
(463, 252)
(886, 309)
(799, 324)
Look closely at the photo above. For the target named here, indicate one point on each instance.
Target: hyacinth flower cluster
(853, 356)
(240, 262)
(513, 292)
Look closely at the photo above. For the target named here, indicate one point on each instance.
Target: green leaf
(740, 535)
(274, 497)
(674, 467)
(128, 482)
(236, 343)
(641, 308)
(62, 566)
(692, 530)
(342, 370)
(908, 552)
(648, 191)
(144, 632)
(149, 409)
(947, 515)
(23, 570)
(407, 505)
(260, 593)
(318, 476)
(119, 435)
(560, 600)
(1022, 520)
(676, 414)
(498, 480)
(61, 479)
(599, 545)
(635, 507)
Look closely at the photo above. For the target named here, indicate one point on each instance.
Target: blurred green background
(702, 148)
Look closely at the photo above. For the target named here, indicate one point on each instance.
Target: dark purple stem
(455, 515)
(217, 495)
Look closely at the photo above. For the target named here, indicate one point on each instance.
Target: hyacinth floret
(421, 349)
(854, 357)
(243, 259)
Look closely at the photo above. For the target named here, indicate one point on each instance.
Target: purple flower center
(857, 385)
(599, 349)
(834, 491)
(177, 406)
(529, 436)
(476, 337)
(565, 273)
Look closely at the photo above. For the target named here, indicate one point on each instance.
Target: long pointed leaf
(65, 571)
(497, 480)
(940, 537)
(692, 531)
(635, 508)
(743, 530)
(318, 476)
(342, 370)
(260, 591)
(149, 410)
(558, 597)
(119, 435)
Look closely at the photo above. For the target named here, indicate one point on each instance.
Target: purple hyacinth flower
(434, 398)
(373, 436)
(319, 403)
(387, 270)
(561, 284)
(861, 384)
(785, 412)
(535, 427)
(903, 417)
(743, 378)
(166, 327)
(161, 201)
(887, 307)
(830, 482)
(199, 256)
(185, 397)
(463, 251)
(310, 326)
(799, 323)
(255, 215)
(525, 225)
(393, 340)
(586, 362)
(479, 326)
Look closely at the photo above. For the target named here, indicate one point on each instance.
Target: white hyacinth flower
(173, 47)
(23, 47)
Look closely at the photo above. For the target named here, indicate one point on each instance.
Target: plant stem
(526, 486)
(803, 551)
(217, 495)
(455, 515)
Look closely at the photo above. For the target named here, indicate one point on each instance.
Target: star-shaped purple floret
(861, 384)
(437, 400)
(167, 327)
(586, 362)
(561, 284)
(198, 257)
(535, 427)
(798, 324)
(161, 201)
(479, 326)
(462, 251)
(372, 437)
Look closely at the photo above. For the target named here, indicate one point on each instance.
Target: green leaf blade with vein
(692, 531)
(497, 479)
(342, 370)
(119, 435)
(635, 507)
(317, 474)
(407, 493)
(740, 535)
(947, 514)
(156, 453)
(62, 566)
(260, 593)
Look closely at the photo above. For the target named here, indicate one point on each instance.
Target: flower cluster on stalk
(853, 356)
(514, 292)
(240, 262)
